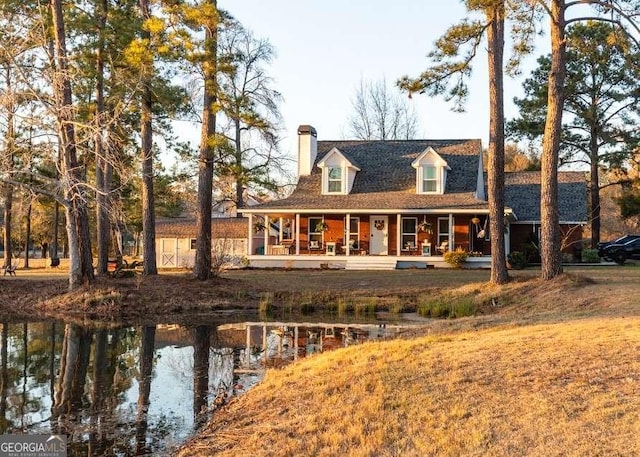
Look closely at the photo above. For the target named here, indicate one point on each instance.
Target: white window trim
(328, 180)
(348, 233)
(442, 236)
(439, 172)
(311, 230)
(403, 247)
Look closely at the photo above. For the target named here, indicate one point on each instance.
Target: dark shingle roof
(522, 193)
(387, 180)
(223, 227)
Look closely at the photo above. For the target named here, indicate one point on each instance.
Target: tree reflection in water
(140, 390)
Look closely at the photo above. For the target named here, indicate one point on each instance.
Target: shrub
(532, 252)
(456, 258)
(590, 256)
(518, 260)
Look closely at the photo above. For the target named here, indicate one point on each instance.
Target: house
(176, 240)
(389, 204)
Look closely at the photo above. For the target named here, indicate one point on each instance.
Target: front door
(379, 239)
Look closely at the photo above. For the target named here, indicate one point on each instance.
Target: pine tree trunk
(239, 168)
(202, 267)
(27, 235)
(80, 255)
(495, 167)
(8, 209)
(549, 217)
(594, 191)
(8, 167)
(102, 209)
(148, 213)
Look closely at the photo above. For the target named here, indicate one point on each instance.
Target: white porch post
(297, 233)
(250, 239)
(507, 238)
(281, 232)
(266, 234)
(398, 234)
(452, 241)
(347, 236)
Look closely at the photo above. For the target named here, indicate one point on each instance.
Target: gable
(338, 173)
(431, 172)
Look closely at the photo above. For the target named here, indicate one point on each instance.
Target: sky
(325, 48)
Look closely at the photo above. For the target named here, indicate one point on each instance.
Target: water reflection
(119, 391)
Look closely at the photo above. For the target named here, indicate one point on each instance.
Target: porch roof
(387, 180)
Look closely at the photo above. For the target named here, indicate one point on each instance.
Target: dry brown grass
(551, 368)
(569, 389)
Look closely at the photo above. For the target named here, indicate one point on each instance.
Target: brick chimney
(307, 149)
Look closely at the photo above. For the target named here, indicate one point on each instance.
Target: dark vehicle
(620, 253)
(622, 240)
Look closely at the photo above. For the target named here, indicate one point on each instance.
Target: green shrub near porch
(456, 258)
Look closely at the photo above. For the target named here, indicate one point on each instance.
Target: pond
(143, 390)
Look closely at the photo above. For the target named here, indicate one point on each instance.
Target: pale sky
(324, 48)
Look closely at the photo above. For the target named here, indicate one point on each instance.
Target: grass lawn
(552, 368)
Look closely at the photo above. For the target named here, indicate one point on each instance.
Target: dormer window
(338, 173)
(334, 180)
(429, 179)
(431, 172)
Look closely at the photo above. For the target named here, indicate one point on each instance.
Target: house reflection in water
(272, 344)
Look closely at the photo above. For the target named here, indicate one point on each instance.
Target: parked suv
(621, 252)
(622, 240)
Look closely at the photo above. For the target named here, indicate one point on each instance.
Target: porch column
(507, 238)
(280, 231)
(347, 236)
(297, 233)
(250, 238)
(398, 234)
(452, 241)
(266, 234)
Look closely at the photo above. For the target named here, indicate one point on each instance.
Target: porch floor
(358, 262)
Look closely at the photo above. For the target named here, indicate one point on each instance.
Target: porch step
(370, 263)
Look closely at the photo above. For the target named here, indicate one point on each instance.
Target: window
(193, 244)
(335, 180)
(354, 233)
(443, 231)
(315, 234)
(409, 234)
(429, 179)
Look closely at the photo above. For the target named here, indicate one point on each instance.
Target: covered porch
(367, 239)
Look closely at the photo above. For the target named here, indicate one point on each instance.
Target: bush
(456, 258)
(590, 256)
(518, 260)
(532, 253)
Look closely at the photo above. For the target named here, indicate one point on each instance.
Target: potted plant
(425, 227)
(322, 226)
